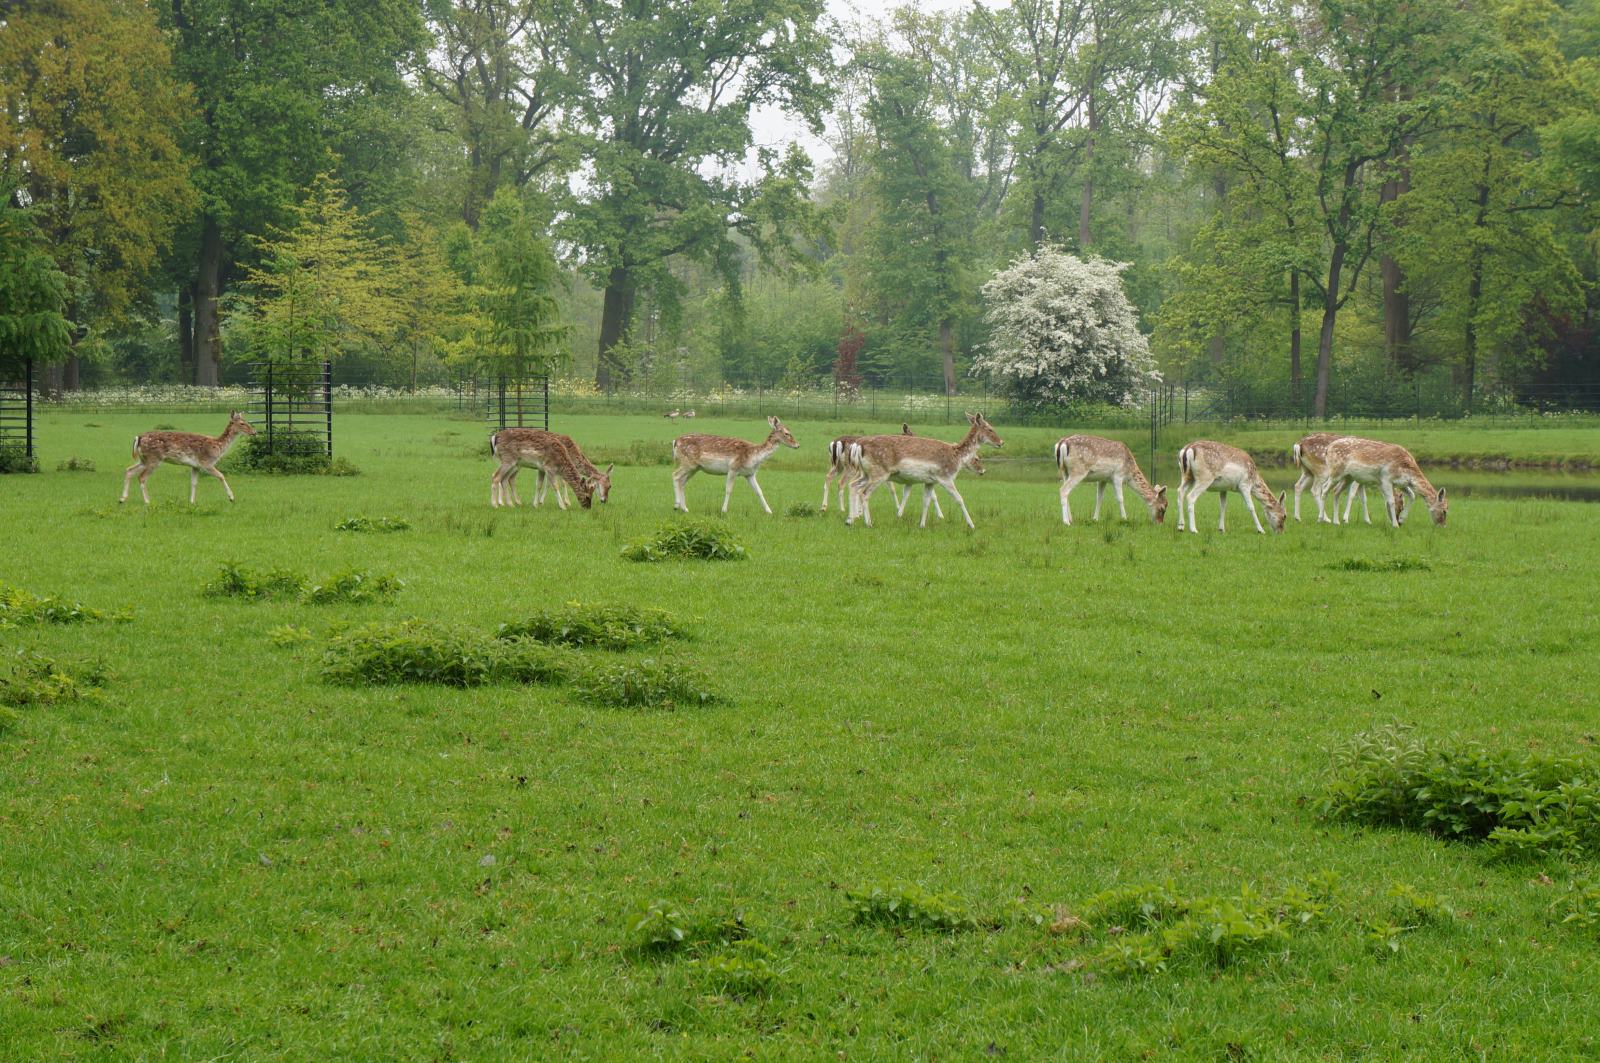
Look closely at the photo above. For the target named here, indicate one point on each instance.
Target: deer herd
(1328, 463)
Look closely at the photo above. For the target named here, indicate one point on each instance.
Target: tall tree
(88, 112)
(279, 85)
(33, 296)
(523, 336)
(661, 101)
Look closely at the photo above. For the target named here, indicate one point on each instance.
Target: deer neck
(1414, 478)
(968, 446)
(230, 435)
(765, 449)
(1143, 486)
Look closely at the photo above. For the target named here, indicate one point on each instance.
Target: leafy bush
(15, 459)
(800, 509)
(527, 661)
(286, 452)
(747, 969)
(910, 906)
(1522, 804)
(372, 524)
(648, 684)
(686, 539)
(660, 927)
(19, 607)
(352, 586)
(1141, 906)
(1581, 906)
(236, 581)
(33, 679)
(287, 635)
(611, 627)
(75, 464)
(410, 652)
(1393, 564)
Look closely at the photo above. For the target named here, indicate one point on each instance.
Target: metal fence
(16, 420)
(293, 406)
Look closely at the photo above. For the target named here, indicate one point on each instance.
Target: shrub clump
(747, 968)
(289, 453)
(414, 651)
(1393, 564)
(373, 524)
(75, 464)
(910, 906)
(611, 627)
(692, 540)
(19, 607)
(646, 684)
(237, 581)
(15, 459)
(34, 679)
(1521, 804)
(800, 509)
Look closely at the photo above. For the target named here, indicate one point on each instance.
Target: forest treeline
(1307, 194)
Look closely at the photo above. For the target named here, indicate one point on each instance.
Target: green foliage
(75, 464)
(238, 581)
(1521, 804)
(417, 651)
(659, 927)
(297, 452)
(288, 636)
(16, 460)
(1580, 906)
(1393, 564)
(687, 539)
(580, 624)
(19, 607)
(1138, 906)
(524, 337)
(747, 969)
(33, 298)
(373, 524)
(28, 678)
(800, 509)
(648, 683)
(909, 906)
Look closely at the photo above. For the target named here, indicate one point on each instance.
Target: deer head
(1439, 508)
(782, 433)
(985, 432)
(600, 483)
(237, 424)
(1158, 504)
(1275, 510)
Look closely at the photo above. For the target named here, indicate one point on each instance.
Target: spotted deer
(1104, 461)
(1387, 466)
(1311, 457)
(600, 480)
(537, 449)
(200, 452)
(731, 457)
(1209, 466)
(841, 472)
(916, 460)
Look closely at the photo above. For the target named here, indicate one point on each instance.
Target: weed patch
(373, 524)
(236, 581)
(75, 464)
(800, 509)
(694, 540)
(645, 684)
(1393, 564)
(611, 627)
(352, 587)
(15, 459)
(746, 969)
(289, 453)
(1521, 804)
(28, 679)
(411, 651)
(909, 906)
(19, 607)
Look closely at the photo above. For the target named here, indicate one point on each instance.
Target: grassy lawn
(224, 855)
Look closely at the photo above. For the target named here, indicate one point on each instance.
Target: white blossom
(1061, 330)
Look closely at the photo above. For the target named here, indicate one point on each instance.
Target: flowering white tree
(1061, 330)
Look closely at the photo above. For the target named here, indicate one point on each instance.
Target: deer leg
(680, 479)
(949, 486)
(1122, 507)
(1366, 511)
(727, 495)
(511, 484)
(1319, 494)
(864, 499)
(1250, 507)
(541, 485)
(1300, 485)
(127, 481)
(1350, 500)
(1068, 482)
(144, 478)
(1183, 493)
(1197, 487)
(194, 482)
(1386, 485)
(900, 499)
(827, 485)
(757, 489)
(937, 512)
(214, 471)
(1222, 511)
(927, 497)
(1099, 496)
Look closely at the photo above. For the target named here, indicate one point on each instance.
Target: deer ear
(1441, 494)
(613, 465)
(1162, 490)
(772, 421)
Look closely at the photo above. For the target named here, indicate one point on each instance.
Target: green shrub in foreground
(686, 539)
(611, 627)
(415, 651)
(373, 524)
(746, 969)
(910, 906)
(645, 684)
(1520, 803)
(237, 581)
(15, 459)
(19, 607)
(33, 679)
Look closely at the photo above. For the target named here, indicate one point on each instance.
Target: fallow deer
(1101, 462)
(840, 470)
(720, 454)
(1311, 457)
(1387, 466)
(916, 460)
(600, 481)
(1210, 466)
(200, 452)
(538, 449)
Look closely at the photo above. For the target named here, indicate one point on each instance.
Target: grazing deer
(601, 481)
(200, 452)
(540, 450)
(1101, 462)
(916, 460)
(1387, 466)
(1209, 466)
(840, 471)
(734, 457)
(1311, 457)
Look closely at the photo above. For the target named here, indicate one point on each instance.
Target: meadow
(221, 853)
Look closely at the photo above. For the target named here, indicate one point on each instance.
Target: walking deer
(538, 449)
(720, 454)
(1211, 466)
(200, 452)
(916, 460)
(1101, 462)
(842, 473)
(1311, 457)
(1386, 466)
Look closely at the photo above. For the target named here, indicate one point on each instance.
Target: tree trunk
(208, 286)
(947, 351)
(1396, 303)
(1087, 203)
(72, 378)
(1469, 356)
(1296, 385)
(615, 318)
(1330, 311)
(1036, 221)
(186, 335)
(1219, 344)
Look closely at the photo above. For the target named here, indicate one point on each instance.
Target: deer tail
(1063, 448)
(1297, 454)
(494, 443)
(136, 445)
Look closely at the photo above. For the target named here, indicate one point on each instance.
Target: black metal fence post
(327, 401)
(27, 385)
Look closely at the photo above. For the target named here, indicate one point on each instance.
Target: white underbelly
(721, 465)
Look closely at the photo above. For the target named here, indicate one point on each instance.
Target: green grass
(223, 854)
